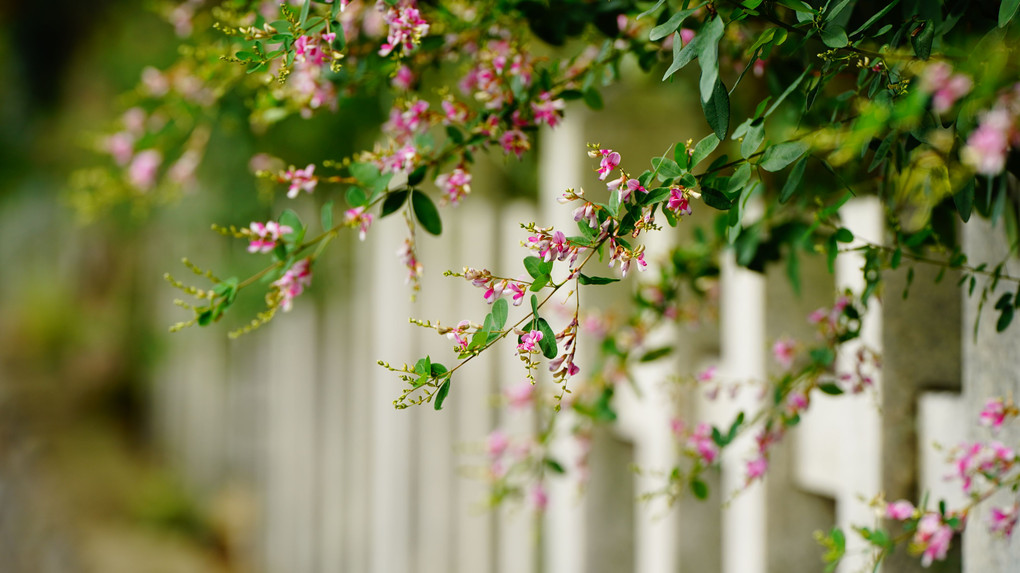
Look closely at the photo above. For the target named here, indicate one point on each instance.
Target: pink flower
(783, 352)
(529, 340)
(407, 256)
(518, 290)
(406, 28)
(497, 443)
(1002, 521)
(991, 461)
(701, 442)
(756, 468)
(686, 35)
(143, 169)
(358, 216)
(899, 510)
(678, 202)
(266, 235)
(514, 141)
(938, 79)
(458, 334)
(708, 374)
(455, 112)
(548, 110)
(293, 282)
(300, 180)
(994, 414)
(610, 161)
(539, 499)
(630, 187)
(403, 79)
(520, 396)
(455, 184)
(987, 145)
(120, 146)
(932, 538)
(796, 402)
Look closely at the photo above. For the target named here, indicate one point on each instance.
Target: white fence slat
(742, 323)
(291, 464)
(941, 419)
(390, 428)
(517, 538)
(561, 160)
(335, 383)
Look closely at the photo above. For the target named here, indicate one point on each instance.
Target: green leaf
(500, 311)
(393, 202)
(587, 280)
(704, 148)
(534, 306)
(699, 488)
(426, 213)
(793, 181)
(843, 235)
(205, 317)
(716, 199)
(964, 199)
(797, 5)
(779, 156)
(666, 168)
(836, 10)
(682, 54)
(554, 465)
(593, 99)
(441, 394)
(416, 176)
(834, 36)
(1005, 307)
(830, 389)
(548, 341)
(1007, 10)
(534, 267)
(356, 197)
(717, 110)
(708, 57)
(753, 138)
(922, 39)
(823, 356)
(655, 354)
(304, 11)
(651, 10)
(669, 26)
(326, 215)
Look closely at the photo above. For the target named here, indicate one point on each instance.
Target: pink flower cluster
(758, 465)
(458, 334)
(547, 110)
(995, 412)
(300, 180)
(266, 235)
(989, 144)
(701, 443)
(293, 282)
(784, 351)
(406, 27)
(498, 63)
(1002, 521)
(563, 366)
(553, 246)
(625, 186)
(358, 217)
(410, 260)
(495, 288)
(932, 538)
(991, 461)
(678, 202)
(528, 342)
(626, 256)
(938, 79)
(408, 120)
(610, 161)
(455, 185)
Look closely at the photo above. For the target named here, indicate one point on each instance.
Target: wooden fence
(296, 419)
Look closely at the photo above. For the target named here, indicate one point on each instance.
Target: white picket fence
(297, 420)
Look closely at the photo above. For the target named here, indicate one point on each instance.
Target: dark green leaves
(781, 155)
(548, 341)
(752, 138)
(393, 201)
(699, 488)
(708, 56)
(1006, 311)
(441, 394)
(717, 110)
(500, 311)
(539, 270)
(921, 39)
(426, 213)
(587, 280)
(704, 148)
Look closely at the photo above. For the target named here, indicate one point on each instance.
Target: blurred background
(126, 448)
